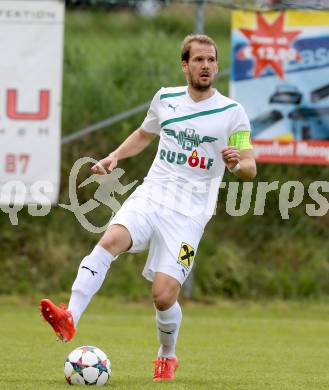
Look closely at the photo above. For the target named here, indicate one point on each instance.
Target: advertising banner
(280, 74)
(31, 46)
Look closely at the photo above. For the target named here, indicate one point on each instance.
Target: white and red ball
(87, 365)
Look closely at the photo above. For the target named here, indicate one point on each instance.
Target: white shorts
(172, 238)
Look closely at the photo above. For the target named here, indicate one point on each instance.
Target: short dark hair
(189, 39)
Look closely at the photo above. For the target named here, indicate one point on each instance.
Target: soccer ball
(87, 365)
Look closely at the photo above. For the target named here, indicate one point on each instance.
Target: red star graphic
(270, 45)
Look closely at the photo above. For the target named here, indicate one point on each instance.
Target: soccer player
(201, 132)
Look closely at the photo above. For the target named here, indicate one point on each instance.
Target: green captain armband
(240, 140)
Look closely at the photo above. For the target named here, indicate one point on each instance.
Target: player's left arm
(239, 157)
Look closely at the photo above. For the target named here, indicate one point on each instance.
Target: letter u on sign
(41, 114)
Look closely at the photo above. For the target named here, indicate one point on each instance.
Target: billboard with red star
(280, 73)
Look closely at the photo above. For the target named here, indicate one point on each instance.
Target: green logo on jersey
(173, 107)
(189, 139)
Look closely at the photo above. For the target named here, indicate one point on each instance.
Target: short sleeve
(240, 130)
(240, 121)
(151, 122)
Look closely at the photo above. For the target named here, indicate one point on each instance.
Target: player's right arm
(134, 144)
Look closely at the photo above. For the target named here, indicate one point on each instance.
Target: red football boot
(164, 369)
(59, 318)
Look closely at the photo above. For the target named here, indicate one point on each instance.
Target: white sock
(168, 324)
(91, 274)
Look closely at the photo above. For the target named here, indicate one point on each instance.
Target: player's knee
(110, 243)
(163, 300)
(116, 241)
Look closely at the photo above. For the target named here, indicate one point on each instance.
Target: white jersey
(188, 168)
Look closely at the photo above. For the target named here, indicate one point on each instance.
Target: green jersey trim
(168, 95)
(241, 140)
(197, 114)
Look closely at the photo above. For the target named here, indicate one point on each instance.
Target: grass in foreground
(240, 346)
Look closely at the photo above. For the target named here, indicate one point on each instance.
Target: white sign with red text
(31, 47)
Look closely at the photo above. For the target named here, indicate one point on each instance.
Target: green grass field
(240, 346)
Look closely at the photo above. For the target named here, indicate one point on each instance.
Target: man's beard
(200, 87)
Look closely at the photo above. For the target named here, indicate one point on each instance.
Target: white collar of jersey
(204, 101)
